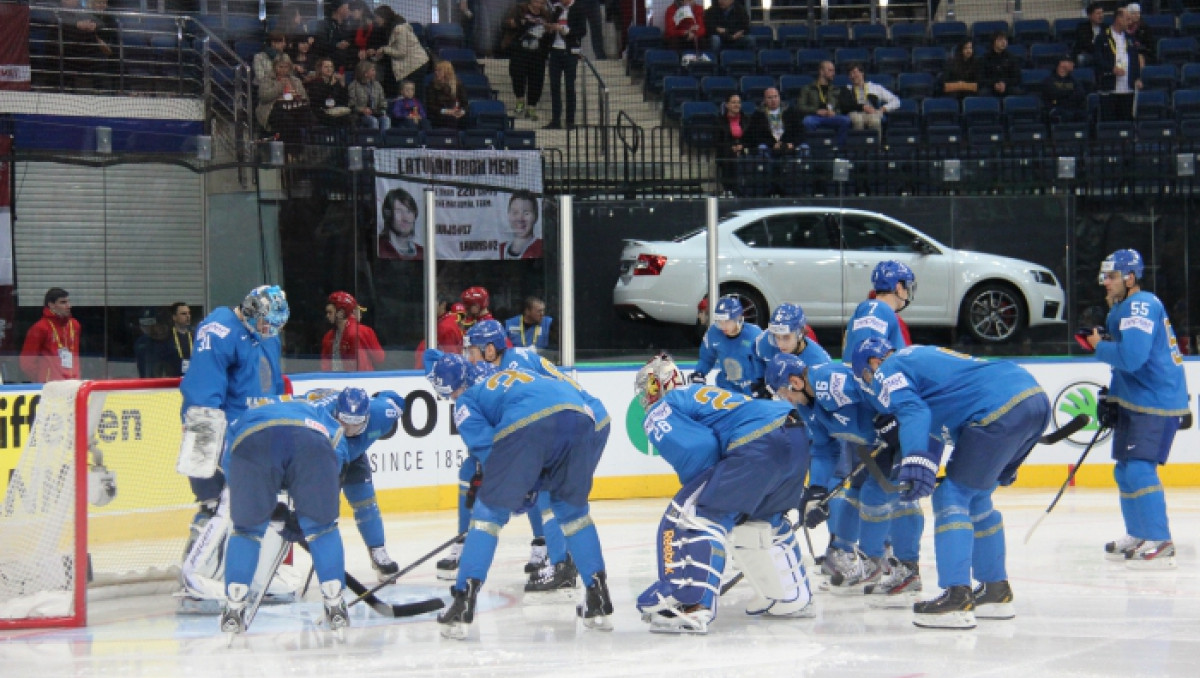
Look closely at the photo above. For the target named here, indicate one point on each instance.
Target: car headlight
(1043, 277)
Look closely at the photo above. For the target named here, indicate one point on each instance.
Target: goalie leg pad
(770, 557)
(203, 570)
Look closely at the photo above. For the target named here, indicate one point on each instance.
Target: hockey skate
(456, 620)
(858, 574)
(898, 587)
(337, 618)
(692, 620)
(994, 600)
(553, 577)
(538, 556)
(838, 561)
(233, 616)
(1152, 555)
(596, 608)
(447, 568)
(383, 563)
(1116, 550)
(954, 609)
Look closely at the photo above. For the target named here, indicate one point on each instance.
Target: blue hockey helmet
(728, 308)
(448, 374)
(487, 332)
(1124, 262)
(871, 347)
(265, 310)
(353, 410)
(787, 319)
(782, 368)
(888, 273)
(480, 371)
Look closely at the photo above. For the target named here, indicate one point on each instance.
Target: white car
(771, 255)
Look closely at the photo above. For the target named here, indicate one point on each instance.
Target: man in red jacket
(449, 331)
(51, 350)
(350, 346)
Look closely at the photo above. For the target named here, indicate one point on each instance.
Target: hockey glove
(697, 378)
(759, 390)
(286, 523)
(919, 471)
(1107, 411)
(812, 511)
(202, 443)
(887, 431)
(473, 488)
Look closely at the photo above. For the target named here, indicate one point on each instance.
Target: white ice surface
(1077, 615)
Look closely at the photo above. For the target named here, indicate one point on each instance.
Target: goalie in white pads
(742, 465)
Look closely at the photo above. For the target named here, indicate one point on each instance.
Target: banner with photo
(488, 206)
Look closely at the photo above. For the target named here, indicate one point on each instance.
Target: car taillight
(649, 264)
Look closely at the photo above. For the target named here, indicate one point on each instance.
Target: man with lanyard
(821, 104)
(178, 349)
(51, 350)
(1119, 69)
(531, 329)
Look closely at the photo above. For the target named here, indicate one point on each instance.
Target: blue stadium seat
(982, 31)
(1022, 109)
(242, 28)
(462, 58)
(908, 116)
(403, 138)
(698, 120)
(487, 114)
(520, 140)
(1160, 76)
(699, 64)
(850, 55)
(753, 86)
(1018, 52)
(442, 35)
(774, 61)
(1086, 76)
(1030, 31)
(639, 39)
(1152, 104)
(442, 138)
(1064, 29)
(1186, 104)
(368, 138)
(1027, 133)
(477, 85)
(1189, 25)
(1032, 78)
(246, 49)
(717, 88)
(738, 62)
(1176, 51)
(884, 80)
(978, 111)
(869, 35)
(1115, 132)
(808, 60)
(930, 60)
(841, 80)
(918, 86)
(793, 37)
(1189, 75)
(790, 86)
(940, 111)
(658, 64)
(482, 139)
(764, 36)
(748, 107)
(892, 60)
(678, 89)
(833, 36)
(943, 135)
(1046, 55)
(1160, 25)
(1156, 131)
(909, 35)
(948, 34)
(1069, 137)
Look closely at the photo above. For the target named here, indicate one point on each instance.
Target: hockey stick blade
(414, 565)
(732, 582)
(1065, 485)
(1065, 431)
(394, 610)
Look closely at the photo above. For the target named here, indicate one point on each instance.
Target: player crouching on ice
(529, 434)
(741, 466)
(300, 447)
(992, 413)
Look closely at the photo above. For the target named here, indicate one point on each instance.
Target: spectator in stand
(362, 22)
(264, 62)
(824, 105)
(330, 99)
(728, 26)
(1083, 47)
(90, 41)
(349, 346)
(595, 22)
(409, 60)
(629, 13)
(283, 105)
(446, 99)
(527, 43)
(292, 21)
(522, 220)
(367, 99)
(145, 347)
(775, 128)
(999, 71)
(408, 111)
(1062, 95)
(871, 101)
(465, 11)
(730, 134)
(51, 350)
(304, 64)
(1118, 70)
(449, 331)
(382, 25)
(1141, 35)
(568, 29)
(397, 236)
(335, 36)
(685, 25)
(531, 329)
(475, 301)
(961, 77)
(175, 354)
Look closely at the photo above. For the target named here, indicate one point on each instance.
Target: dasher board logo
(635, 414)
(1074, 399)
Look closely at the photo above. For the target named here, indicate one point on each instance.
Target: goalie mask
(265, 311)
(353, 411)
(656, 378)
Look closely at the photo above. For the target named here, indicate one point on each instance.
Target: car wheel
(754, 307)
(994, 313)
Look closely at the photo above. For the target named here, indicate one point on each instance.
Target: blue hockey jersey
(230, 365)
(766, 350)
(839, 411)
(289, 413)
(735, 357)
(528, 360)
(386, 410)
(696, 426)
(937, 392)
(872, 318)
(1148, 373)
(508, 401)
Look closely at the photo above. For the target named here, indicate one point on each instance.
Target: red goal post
(54, 543)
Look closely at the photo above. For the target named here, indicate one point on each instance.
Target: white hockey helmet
(656, 377)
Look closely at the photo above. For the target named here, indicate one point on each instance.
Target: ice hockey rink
(1077, 615)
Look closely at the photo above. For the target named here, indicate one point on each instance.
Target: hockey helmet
(353, 410)
(787, 319)
(344, 302)
(449, 374)
(475, 295)
(871, 347)
(268, 304)
(656, 377)
(888, 273)
(728, 309)
(458, 309)
(480, 371)
(783, 366)
(1124, 262)
(487, 332)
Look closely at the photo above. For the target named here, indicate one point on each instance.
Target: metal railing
(602, 94)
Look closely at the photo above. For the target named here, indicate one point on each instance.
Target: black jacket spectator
(961, 77)
(335, 37)
(1106, 61)
(1085, 38)
(759, 132)
(734, 20)
(999, 67)
(1063, 98)
(732, 134)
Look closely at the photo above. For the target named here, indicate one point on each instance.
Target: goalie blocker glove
(202, 443)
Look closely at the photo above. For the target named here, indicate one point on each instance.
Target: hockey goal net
(55, 544)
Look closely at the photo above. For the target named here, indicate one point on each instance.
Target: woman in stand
(330, 99)
(283, 103)
(525, 40)
(446, 100)
(960, 78)
(408, 58)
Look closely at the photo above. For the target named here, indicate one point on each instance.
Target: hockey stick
(415, 564)
(384, 608)
(732, 582)
(1066, 483)
(1068, 429)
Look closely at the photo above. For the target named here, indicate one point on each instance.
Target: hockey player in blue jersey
(992, 413)
(1146, 398)
(295, 446)
(787, 333)
(836, 413)
(530, 434)
(235, 358)
(895, 286)
(487, 342)
(729, 346)
(741, 467)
